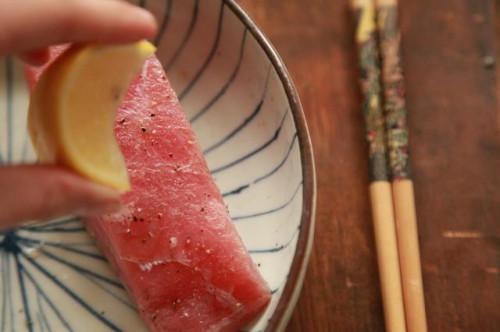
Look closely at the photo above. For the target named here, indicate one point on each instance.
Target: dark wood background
(449, 62)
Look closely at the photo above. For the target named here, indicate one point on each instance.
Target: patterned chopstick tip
(394, 92)
(371, 88)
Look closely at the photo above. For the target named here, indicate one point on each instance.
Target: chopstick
(399, 161)
(380, 187)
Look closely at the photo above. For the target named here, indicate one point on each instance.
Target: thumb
(61, 21)
(34, 192)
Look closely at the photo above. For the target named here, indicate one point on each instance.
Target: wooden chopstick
(380, 187)
(397, 146)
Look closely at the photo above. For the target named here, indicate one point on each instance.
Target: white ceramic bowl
(245, 111)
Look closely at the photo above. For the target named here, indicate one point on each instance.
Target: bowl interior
(238, 106)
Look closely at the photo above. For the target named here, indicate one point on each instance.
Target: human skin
(27, 28)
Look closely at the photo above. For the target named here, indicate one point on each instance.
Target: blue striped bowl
(244, 109)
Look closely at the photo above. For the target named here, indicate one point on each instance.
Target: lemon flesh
(73, 107)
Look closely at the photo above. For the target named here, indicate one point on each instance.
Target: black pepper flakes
(152, 115)
(143, 129)
(122, 121)
(202, 209)
(175, 303)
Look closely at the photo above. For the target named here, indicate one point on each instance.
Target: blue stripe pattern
(253, 152)
(34, 258)
(111, 293)
(46, 298)
(42, 317)
(5, 286)
(245, 186)
(192, 23)
(209, 58)
(87, 306)
(83, 270)
(226, 86)
(164, 22)
(273, 210)
(277, 247)
(34, 242)
(244, 123)
(22, 288)
(76, 229)
(9, 291)
(72, 221)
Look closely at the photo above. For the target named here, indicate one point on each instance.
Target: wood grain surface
(449, 62)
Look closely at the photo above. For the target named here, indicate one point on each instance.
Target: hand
(27, 28)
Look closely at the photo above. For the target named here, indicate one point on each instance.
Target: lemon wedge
(73, 107)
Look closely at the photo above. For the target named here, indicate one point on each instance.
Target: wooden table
(455, 140)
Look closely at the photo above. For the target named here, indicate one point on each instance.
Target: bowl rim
(289, 297)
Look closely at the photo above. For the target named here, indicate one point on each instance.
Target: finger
(43, 192)
(36, 57)
(60, 21)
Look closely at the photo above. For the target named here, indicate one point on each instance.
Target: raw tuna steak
(174, 246)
